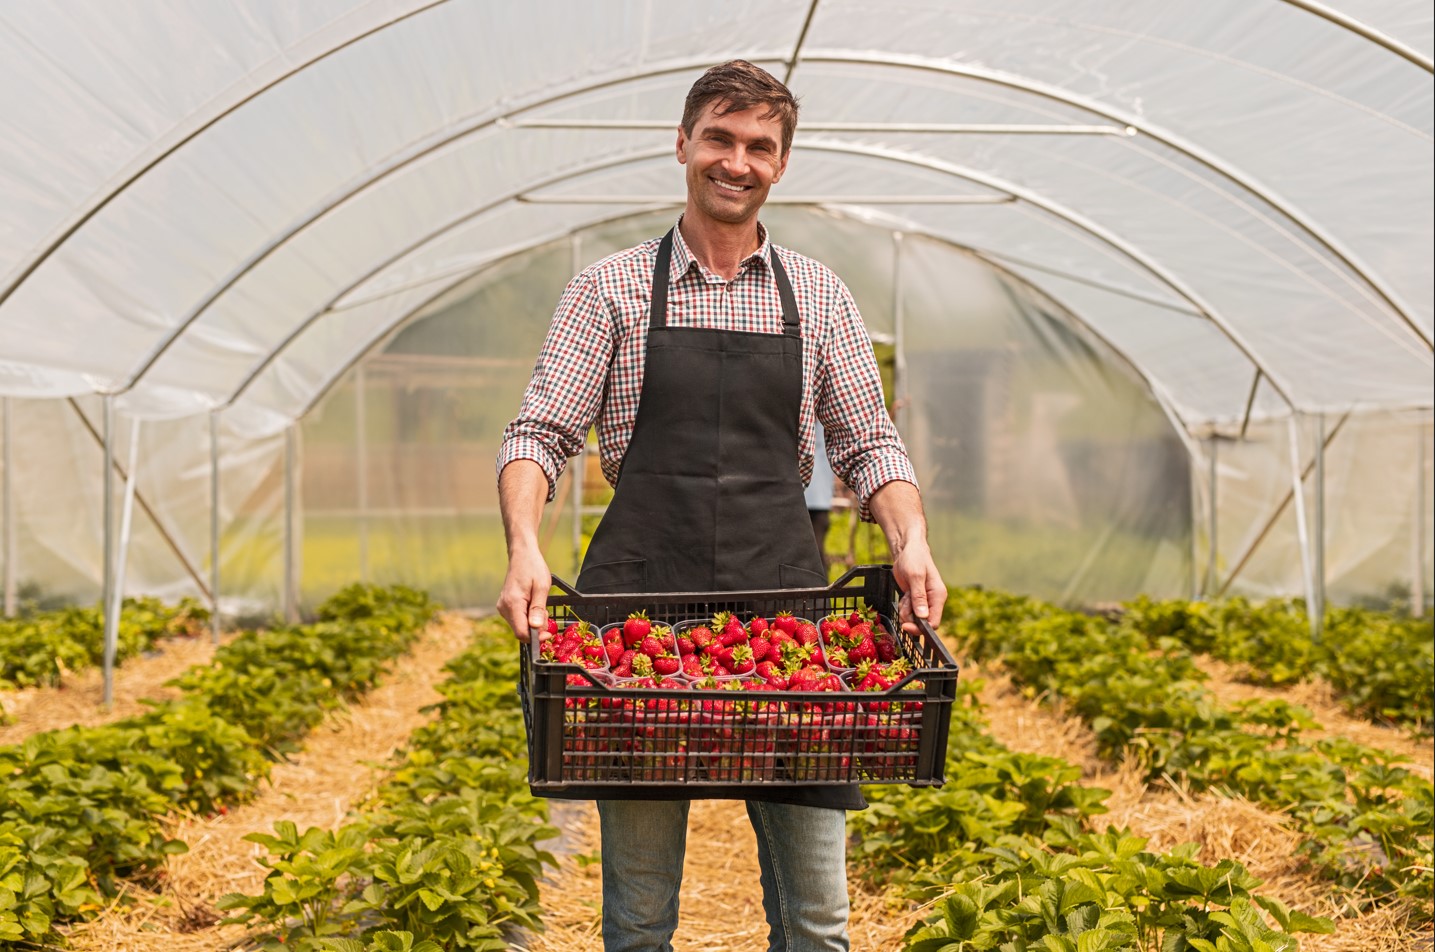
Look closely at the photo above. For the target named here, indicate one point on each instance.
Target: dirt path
(340, 763)
(77, 700)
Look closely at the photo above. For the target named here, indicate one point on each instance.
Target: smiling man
(706, 359)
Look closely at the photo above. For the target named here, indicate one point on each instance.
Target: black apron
(709, 497)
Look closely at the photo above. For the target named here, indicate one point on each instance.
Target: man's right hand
(523, 602)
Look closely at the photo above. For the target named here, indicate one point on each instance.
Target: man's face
(732, 160)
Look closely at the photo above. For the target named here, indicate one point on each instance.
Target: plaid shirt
(590, 369)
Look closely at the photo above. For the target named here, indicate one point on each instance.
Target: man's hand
(523, 601)
(897, 507)
(924, 592)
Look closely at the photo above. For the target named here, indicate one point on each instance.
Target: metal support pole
(1317, 621)
(1417, 574)
(127, 510)
(7, 464)
(1302, 530)
(1212, 543)
(291, 574)
(361, 451)
(214, 526)
(900, 397)
(578, 466)
(107, 602)
(1194, 508)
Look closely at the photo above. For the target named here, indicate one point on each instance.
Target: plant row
(1006, 856)
(445, 852)
(1366, 820)
(84, 808)
(38, 649)
(1382, 664)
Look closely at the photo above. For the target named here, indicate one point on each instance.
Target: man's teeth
(730, 188)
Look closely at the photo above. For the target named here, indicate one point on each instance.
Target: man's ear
(782, 168)
(682, 146)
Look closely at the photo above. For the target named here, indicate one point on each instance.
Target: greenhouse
(1150, 285)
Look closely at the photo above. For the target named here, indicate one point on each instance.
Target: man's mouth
(730, 186)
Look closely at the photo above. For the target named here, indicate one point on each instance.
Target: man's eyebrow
(721, 129)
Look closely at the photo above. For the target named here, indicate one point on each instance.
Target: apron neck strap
(658, 308)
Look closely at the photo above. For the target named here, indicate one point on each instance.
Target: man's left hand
(924, 592)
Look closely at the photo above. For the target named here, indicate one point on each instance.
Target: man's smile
(729, 186)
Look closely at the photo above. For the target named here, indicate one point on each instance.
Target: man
(707, 358)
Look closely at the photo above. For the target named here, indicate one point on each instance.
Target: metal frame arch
(1157, 391)
(98, 202)
(1365, 32)
(474, 124)
(1082, 224)
(1170, 139)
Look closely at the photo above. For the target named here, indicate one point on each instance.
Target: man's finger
(918, 593)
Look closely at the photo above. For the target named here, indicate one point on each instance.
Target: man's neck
(718, 246)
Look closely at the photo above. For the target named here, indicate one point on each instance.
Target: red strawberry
(651, 646)
(666, 664)
(702, 636)
(807, 678)
(886, 646)
(768, 671)
(692, 667)
(865, 648)
(665, 636)
(761, 649)
(785, 622)
(732, 636)
(552, 625)
(642, 665)
(685, 645)
(636, 628)
(805, 632)
(615, 651)
(623, 670)
(742, 662)
(757, 626)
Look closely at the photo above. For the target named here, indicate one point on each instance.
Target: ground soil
(721, 899)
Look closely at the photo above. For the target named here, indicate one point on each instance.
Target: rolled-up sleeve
(862, 441)
(565, 393)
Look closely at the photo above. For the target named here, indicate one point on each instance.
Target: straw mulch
(340, 764)
(79, 698)
(1324, 703)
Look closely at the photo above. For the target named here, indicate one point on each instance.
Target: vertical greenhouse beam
(899, 340)
(214, 526)
(291, 575)
(7, 464)
(107, 605)
(1417, 573)
(578, 470)
(361, 474)
(127, 510)
(1212, 552)
(1318, 608)
(1301, 527)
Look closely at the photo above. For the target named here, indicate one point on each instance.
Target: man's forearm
(896, 506)
(522, 491)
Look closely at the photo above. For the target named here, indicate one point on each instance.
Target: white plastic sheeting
(225, 207)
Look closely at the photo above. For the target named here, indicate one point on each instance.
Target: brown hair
(739, 85)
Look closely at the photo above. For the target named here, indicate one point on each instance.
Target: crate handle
(564, 587)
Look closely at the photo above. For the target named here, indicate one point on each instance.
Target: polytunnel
(1154, 279)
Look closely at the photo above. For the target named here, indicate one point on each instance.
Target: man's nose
(736, 162)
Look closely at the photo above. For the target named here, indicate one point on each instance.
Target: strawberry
(742, 662)
(834, 623)
(651, 646)
(758, 626)
(785, 622)
(642, 665)
(732, 636)
(761, 649)
(636, 628)
(692, 667)
(805, 632)
(665, 637)
(768, 671)
(685, 645)
(615, 651)
(702, 636)
(623, 669)
(666, 664)
(864, 650)
(552, 625)
(807, 678)
(886, 645)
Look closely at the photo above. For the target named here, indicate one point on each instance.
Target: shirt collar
(683, 258)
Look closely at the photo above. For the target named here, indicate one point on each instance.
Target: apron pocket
(608, 578)
(795, 576)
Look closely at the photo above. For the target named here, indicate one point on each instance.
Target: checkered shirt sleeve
(590, 368)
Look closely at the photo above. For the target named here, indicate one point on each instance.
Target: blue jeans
(801, 850)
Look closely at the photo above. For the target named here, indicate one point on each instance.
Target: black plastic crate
(598, 736)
